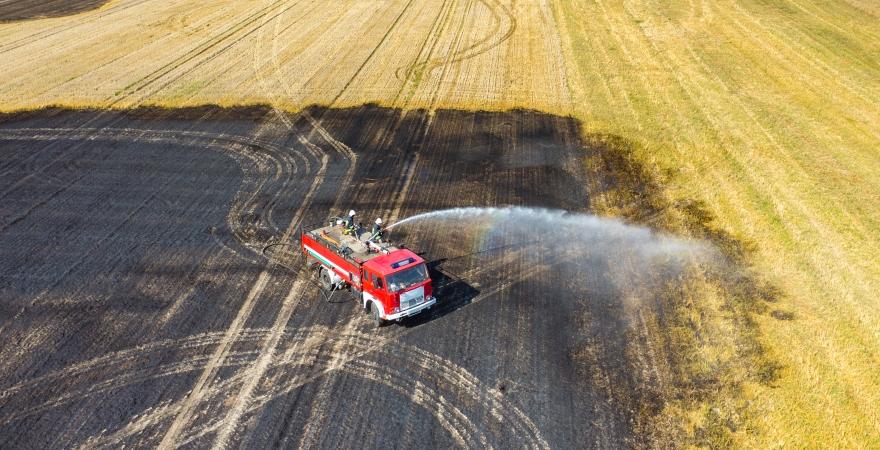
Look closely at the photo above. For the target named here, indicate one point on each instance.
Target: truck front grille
(410, 302)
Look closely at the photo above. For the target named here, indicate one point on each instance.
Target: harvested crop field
(291, 53)
(144, 310)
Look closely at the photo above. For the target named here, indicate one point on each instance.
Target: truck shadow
(451, 291)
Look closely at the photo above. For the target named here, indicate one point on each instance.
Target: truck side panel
(349, 272)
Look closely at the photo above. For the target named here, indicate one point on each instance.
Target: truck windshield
(408, 277)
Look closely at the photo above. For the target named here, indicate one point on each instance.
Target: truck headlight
(396, 309)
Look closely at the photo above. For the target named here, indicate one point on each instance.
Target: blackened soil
(137, 306)
(15, 10)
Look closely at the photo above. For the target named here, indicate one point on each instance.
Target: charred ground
(14, 11)
(138, 303)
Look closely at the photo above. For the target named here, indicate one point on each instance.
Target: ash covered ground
(137, 306)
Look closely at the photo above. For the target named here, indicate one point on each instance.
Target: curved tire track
(503, 26)
(433, 383)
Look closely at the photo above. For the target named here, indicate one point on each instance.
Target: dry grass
(767, 112)
(405, 53)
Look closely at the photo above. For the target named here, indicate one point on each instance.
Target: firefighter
(351, 226)
(378, 229)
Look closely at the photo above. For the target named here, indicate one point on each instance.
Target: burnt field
(12, 11)
(139, 306)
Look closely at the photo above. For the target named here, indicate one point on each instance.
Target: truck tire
(324, 279)
(375, 317)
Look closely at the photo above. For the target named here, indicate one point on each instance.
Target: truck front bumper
(429, 302)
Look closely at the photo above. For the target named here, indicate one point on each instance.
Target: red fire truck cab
(391, 282)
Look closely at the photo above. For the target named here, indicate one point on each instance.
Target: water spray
(558, 220)
(595, 243)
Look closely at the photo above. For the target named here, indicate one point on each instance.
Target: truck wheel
(324, 279)
(375, 316)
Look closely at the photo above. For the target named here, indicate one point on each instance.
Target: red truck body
(391, 280)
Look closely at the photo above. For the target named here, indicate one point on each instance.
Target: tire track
(346, 358)
(503, 26)
(254, 373)
(372, 53)
(444, 385)
(325, 389)
(192, 55)
(262, 154)
(126, 358)
(234, 146)
(436, 30)
(409, 384)
(412, 161)
(70, 46)
(184, 416)
(206, 60)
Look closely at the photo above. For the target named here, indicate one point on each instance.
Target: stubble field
(750, 125)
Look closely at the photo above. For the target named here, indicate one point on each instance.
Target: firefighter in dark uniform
(350, 225)
(378, 230)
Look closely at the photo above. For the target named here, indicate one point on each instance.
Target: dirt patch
(14, 11)
(134, 284)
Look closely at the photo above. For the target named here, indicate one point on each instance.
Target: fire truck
(390, 282)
